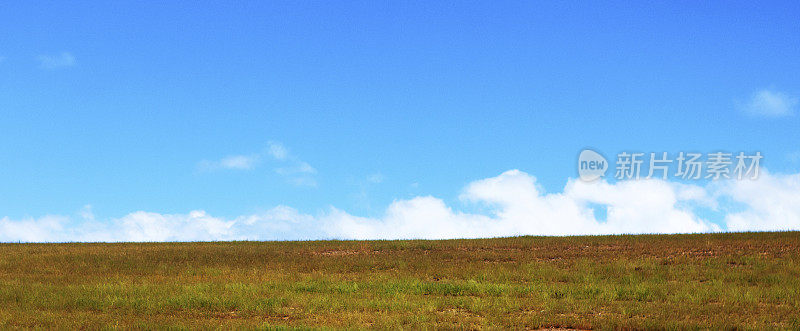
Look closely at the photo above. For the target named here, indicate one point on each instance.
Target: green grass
(744, 280)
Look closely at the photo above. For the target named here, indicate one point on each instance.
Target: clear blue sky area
(235, 107)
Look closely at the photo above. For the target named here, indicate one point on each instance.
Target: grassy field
(749, 280)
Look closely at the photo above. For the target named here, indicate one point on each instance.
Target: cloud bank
(513, 202)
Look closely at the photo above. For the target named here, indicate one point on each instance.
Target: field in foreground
(748, 280)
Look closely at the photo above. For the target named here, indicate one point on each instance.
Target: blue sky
(132, 106)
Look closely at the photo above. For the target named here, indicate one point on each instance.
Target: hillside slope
(749, 280)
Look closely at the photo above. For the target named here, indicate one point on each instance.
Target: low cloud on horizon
(515, 203)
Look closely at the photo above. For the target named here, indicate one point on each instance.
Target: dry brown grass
(746, 280)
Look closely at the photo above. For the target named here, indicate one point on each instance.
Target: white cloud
(770, 203)
(375, 178)
(86, 213)
(299, 167)
(645, 206)
(296, 172)
(794, 157)
(515, 205)
(277, 151)
(303, 181)
(197, 225)
(65, 59)
(231, 162)
(47, 228)
(769, 103)
(420, 217)
(239, 162)
(519, 207)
